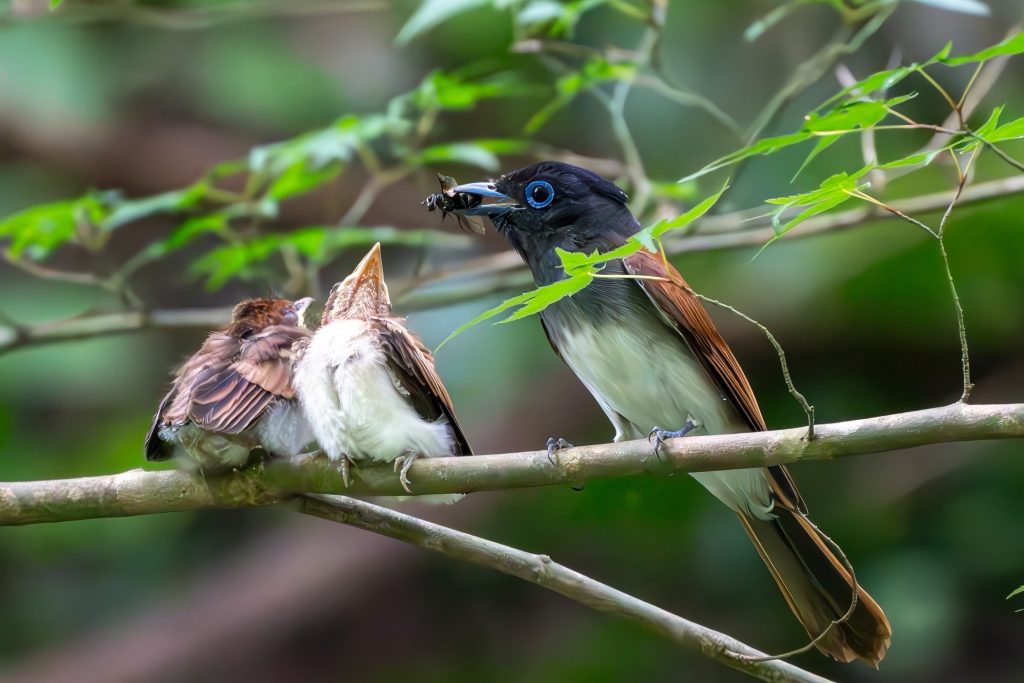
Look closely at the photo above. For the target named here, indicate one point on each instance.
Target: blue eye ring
(539, 185)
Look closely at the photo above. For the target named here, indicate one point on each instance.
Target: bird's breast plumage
(353, 403)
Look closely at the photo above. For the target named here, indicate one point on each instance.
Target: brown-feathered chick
(236, 392)
(368, 385)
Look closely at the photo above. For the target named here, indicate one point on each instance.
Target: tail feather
(819, 588)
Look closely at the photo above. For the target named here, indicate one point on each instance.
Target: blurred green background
(122, 95)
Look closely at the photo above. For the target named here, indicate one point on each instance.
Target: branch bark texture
(137, 492)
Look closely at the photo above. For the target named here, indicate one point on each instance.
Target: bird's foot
(658, 435)
(345, 467)
(555, 445)
(405, 462)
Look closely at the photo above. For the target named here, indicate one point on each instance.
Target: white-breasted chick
(368, 386)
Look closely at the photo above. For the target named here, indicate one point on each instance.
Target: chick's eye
(539, 194)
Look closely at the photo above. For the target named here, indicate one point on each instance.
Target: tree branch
(99, 324)
(541, 570)
(138, 493)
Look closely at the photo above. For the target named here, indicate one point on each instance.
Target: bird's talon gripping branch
(402, 465)
(345, 467)
(555, 445)
(658, 435)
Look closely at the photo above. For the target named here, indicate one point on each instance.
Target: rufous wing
(681, 309)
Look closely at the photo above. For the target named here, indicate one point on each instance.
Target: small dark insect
(448, 201)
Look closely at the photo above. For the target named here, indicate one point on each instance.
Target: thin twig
(965, 358)
(543, 571)
(807, 407)
(893, 210)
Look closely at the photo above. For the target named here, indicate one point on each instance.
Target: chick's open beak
(363, 294)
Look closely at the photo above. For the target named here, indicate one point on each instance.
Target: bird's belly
(648, 376)
(283, 430)
(377, 422)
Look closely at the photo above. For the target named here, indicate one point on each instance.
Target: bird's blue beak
(485, 189)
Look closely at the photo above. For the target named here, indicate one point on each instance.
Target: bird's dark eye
(539, 194)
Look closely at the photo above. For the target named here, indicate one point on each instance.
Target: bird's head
(553, 203)
(253, 315)
(361, 295)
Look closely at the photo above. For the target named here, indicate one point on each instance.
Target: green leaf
(762, 147)
(883, 80)
(39, 230)
(922, 159)
(648, 236)
(54, 4)
(432, 13)
(1015, 591)
(193, 228)
(459, 90)
(318, 244)
(1011, 46)
(469, 153)
(990, 131)
(848, 117)
(549, 294)
(300, 178)
(131, 210)
(576, 263)
(531, 303)
(322, 148)
(974, 7)
(833, 191)
(1008, 131)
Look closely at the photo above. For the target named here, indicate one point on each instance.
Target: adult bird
(369, 386)
(649, 353)
(236, 392)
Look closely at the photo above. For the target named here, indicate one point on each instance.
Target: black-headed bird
(236, 392)
(368, 385)
(649, 353)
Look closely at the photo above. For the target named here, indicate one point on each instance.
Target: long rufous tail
(819, 588)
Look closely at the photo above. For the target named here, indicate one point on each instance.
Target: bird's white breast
(353, 403)
(648, 375)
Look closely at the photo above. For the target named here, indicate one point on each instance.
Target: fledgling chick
(368, 385)
(236, 392)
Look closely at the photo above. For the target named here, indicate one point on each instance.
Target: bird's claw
(555, 445)
(405, 462)
(345, 467)
(658, 435)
